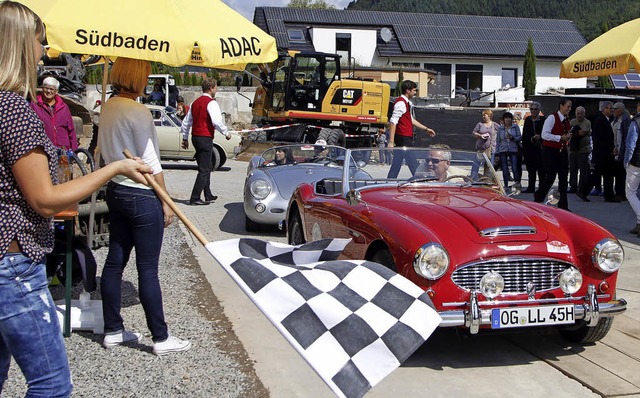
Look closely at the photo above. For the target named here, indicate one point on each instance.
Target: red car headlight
(607, 255)
(431, 261)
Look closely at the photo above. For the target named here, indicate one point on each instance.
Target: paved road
(524, 364)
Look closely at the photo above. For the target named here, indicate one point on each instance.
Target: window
(343, 47)
(295, 35)
(509, 77)
(468, 77)
(442, 84)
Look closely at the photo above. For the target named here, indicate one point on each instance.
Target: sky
(245, 7)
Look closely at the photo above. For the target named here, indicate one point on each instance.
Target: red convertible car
(441, 218)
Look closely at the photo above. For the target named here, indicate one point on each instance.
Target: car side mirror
(354, 197)
(553, 197)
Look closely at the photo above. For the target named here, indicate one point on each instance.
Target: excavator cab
(300, 82)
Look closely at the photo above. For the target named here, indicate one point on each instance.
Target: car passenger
(282, 156)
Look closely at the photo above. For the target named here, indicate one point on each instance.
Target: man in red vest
(401, 129)
(556, 133)
(203, 118)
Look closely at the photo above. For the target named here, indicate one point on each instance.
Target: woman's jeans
(29, 328)
(513, 157)
(136, 220)
(479, 161)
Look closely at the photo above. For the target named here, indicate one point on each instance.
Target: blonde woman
(137, 217)
(29, 198)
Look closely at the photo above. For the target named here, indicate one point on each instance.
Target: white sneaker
(172, 344)
(121, 337)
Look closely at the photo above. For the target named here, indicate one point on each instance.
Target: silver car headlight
(260, 189)
(431, 261)
(491, 284)
(570, 280)
(608, 255)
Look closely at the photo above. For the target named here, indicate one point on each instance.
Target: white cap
(321, 142)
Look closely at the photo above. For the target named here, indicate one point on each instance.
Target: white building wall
(547, 73)
(547, 77)
(363, 43)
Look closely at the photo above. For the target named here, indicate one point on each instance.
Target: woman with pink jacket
(55, 115)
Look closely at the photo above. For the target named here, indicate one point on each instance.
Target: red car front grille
(517, 273)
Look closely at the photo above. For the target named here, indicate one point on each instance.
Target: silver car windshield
(326, 155)
(416, 167)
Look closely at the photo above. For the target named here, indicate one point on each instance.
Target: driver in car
(436, 162)
(321, 152)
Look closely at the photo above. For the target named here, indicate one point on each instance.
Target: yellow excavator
(306, 92)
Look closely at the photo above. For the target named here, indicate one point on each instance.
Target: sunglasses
(434, 160)
(534, 109)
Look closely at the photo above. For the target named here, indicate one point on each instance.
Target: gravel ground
(216, 365)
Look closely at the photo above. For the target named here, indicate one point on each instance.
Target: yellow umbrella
(613, 52)
(163, 31)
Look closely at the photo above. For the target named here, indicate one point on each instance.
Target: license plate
(518, 317)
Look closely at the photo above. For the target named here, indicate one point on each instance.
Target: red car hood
(470, 211)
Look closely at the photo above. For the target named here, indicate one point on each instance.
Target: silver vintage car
(272, 177)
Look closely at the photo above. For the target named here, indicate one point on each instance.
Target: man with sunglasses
(436, 162)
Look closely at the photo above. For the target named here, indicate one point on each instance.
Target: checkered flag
(354, 322)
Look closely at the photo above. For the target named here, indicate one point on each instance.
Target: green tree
(529, 71)
(186, 79)
(317, 4)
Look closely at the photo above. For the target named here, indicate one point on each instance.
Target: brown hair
(488, 112)
(130, 75)
(208, 83)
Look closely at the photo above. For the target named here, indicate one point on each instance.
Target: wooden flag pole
(167, 199)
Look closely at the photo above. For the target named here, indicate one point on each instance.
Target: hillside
(590, 16)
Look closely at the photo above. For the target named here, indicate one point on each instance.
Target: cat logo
(347, 94)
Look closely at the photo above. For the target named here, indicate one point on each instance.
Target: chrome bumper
(590, 311)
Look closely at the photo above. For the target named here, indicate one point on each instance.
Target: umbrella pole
(167, 199)
(96, 158)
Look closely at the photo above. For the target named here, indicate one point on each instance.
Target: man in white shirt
(203, 119)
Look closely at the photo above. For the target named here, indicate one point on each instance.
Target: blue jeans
(398, 156)
(29, 328)
(136, 220)
(513, 156)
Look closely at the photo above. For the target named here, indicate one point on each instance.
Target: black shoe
(197, 202)
(612, 200)
(583, 197)
(210, 198)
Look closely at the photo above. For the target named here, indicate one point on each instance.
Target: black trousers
(556, 163)
(204, 150)
(604, 169)
(579, 163)
(620, 177)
